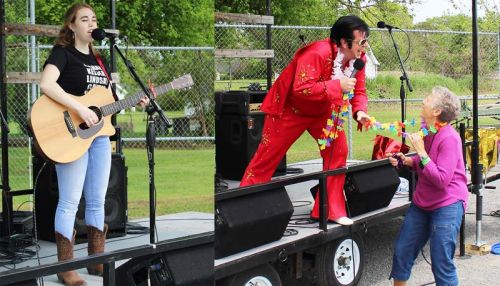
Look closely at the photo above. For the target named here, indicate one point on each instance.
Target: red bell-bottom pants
(279, 133)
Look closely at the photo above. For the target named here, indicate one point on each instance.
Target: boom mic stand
(404, 78)
(402, 95)
(152, 108)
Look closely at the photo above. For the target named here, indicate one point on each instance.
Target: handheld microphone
(99, 34)
(382, 25)
(358, 65)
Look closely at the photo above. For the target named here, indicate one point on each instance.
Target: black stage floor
(168, 227)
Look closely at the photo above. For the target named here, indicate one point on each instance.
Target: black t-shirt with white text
(79, 72)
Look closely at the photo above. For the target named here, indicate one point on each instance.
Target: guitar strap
(99, 61)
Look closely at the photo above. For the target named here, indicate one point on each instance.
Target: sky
(434, 8)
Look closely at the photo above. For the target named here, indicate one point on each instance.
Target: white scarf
(337, 72)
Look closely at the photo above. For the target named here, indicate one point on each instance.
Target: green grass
(133, 123)
(183, 179)
(386, 85)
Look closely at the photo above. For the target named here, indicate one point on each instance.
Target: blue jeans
(440, 227)
(89, 173)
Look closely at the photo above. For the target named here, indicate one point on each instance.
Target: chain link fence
(191, 109)
(431, 58)
(436, 53)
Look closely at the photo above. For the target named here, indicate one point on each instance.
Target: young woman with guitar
(71, 70)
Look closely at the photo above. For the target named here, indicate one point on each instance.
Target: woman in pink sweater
(441, 194)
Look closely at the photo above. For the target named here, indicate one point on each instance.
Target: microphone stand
(403, 78)
(7, 212)
(151, 109)
(402, 95)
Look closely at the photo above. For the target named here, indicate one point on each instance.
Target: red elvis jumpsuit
(302, 98)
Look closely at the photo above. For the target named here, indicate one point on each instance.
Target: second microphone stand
(152, 108)
(402, 95)
(404, 78)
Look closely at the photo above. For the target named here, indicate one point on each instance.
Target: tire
(335, 265)
(263, 275)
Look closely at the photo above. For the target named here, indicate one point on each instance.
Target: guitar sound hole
(83, 126)
(97, 111)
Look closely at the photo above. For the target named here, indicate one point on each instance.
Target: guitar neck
(159, 90)
(131, 101)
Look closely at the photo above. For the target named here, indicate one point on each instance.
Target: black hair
(344, 28)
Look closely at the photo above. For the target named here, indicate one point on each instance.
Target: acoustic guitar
(62, 136)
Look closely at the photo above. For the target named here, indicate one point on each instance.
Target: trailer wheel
(340, 263)
(263, 275)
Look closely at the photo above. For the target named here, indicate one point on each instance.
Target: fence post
(33, 50)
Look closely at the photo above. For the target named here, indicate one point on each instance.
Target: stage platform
(303, 234)
(171, 226)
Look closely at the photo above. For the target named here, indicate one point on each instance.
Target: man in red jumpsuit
(304, 96)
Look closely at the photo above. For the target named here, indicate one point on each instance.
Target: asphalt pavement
(472, 270)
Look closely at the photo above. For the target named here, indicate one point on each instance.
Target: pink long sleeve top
(442, 181)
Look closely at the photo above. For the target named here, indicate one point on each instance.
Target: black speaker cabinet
(188, 266)
(250, 220)
(370, 189)
(238, 130)
(47, 196)
(238, 102)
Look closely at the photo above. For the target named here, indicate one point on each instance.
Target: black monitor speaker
(250, 220)
(192, 265)
(370, 189)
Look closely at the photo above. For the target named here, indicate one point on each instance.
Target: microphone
(99, 34)
(358, 65)
(382, 25)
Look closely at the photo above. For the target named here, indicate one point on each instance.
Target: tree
(319, 12)
(147, 22)
(490, 22)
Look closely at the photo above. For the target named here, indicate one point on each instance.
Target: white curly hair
(447, 101)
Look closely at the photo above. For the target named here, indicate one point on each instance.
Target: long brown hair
(66, 36)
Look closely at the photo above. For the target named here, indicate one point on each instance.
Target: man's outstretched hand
(362, 117)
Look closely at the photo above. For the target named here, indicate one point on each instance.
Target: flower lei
(397, 126)
(335, 122)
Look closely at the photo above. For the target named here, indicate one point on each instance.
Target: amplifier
(237, 102)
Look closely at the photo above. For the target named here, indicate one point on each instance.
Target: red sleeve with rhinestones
(312, 81)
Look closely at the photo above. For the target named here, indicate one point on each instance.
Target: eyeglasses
(362, 42)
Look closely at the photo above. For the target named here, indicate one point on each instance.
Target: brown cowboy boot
(65, 252)
(96, 240)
